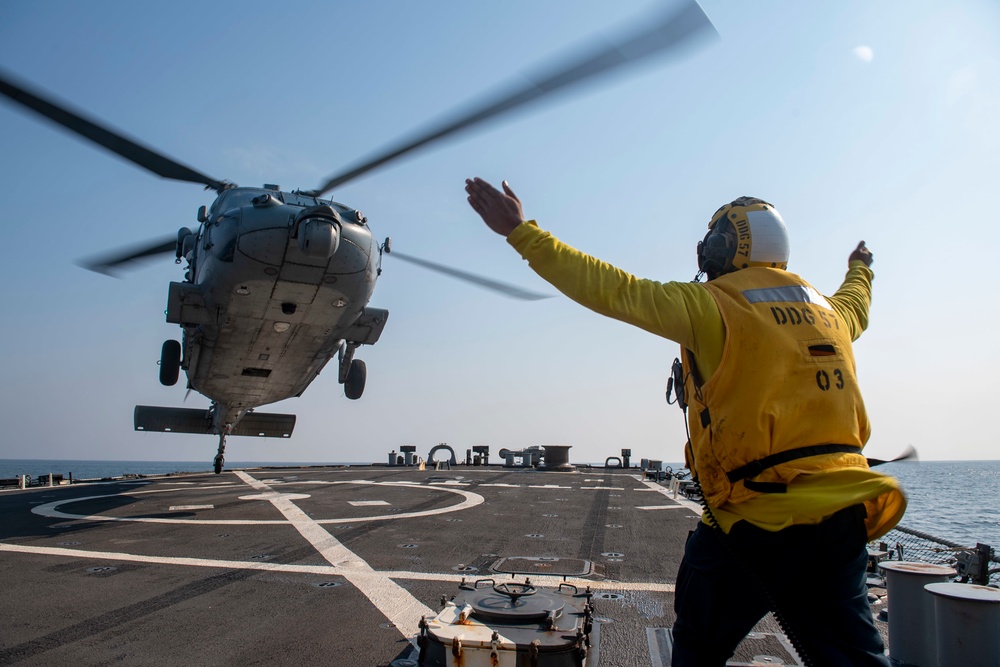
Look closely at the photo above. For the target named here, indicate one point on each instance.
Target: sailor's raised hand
(862, 253)
(501, 211)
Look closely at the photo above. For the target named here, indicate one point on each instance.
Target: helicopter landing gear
(352, 371)
(356, 376)
(220, 458)
(170, 363)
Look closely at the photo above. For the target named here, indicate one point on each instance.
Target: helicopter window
(238, 197)
(296, 199)
(224, 239)
(348, 214)
(244, 196)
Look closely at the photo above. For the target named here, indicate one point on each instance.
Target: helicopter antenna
(105, 137)
(657, 35)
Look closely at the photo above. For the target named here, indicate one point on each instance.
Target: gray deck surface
(326, 566)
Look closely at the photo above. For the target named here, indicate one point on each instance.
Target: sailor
(777, 425)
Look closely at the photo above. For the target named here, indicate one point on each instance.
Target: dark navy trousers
(816, 576)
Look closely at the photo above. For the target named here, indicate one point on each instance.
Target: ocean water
(955, 500)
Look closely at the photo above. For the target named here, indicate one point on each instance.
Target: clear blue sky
(859, 120)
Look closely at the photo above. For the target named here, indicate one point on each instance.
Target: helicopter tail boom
(193, 420)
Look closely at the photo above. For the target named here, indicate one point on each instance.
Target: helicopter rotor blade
(909, 453)
(503, 288)
(104, 136)
(657, 35)
(107, 263)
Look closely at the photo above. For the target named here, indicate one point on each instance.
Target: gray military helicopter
(276, 283)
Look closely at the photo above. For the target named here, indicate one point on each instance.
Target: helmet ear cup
(716, 250)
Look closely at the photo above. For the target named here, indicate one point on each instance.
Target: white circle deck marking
(470, 499)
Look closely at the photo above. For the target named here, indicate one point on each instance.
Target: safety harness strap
(765, 487)
(755, 468)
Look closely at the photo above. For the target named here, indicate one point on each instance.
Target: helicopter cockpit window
(297, 199)
(223, 238)
(244, 196)
(238, 197)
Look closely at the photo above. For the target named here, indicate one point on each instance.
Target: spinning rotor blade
(105, 137)
(909, 453)
(665, 34)
(105, 264)
(496, 286)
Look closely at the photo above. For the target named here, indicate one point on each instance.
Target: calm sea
(954, 500)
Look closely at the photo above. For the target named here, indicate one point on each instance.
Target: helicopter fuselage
(277, 285)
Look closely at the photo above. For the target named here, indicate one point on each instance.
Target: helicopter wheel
(170, 363)
(219, 461)
(355, 384)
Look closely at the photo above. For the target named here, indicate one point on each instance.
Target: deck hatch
(575, 567)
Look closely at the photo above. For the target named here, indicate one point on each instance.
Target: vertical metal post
(911, 610)
(409, 453)
(967, 617)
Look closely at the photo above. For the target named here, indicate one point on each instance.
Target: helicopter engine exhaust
(317, 229)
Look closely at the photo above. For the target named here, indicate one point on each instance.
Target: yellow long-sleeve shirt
(687, 314)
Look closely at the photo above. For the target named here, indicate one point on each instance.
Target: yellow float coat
(785, 382)
(688, 314)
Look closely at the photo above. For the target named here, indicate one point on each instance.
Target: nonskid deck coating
(332, 566)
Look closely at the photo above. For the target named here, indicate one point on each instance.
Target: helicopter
(277, 283)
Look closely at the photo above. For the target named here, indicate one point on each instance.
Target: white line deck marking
(171, 560)
(605, 488)
(366, 503)
(548, 486)
(690, 504)
(659, 646)
(276, 495)
(661, 507)
(181, 508)
(325, 570)
(395, 602)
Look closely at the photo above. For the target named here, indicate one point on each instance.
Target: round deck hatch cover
(490, 605)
